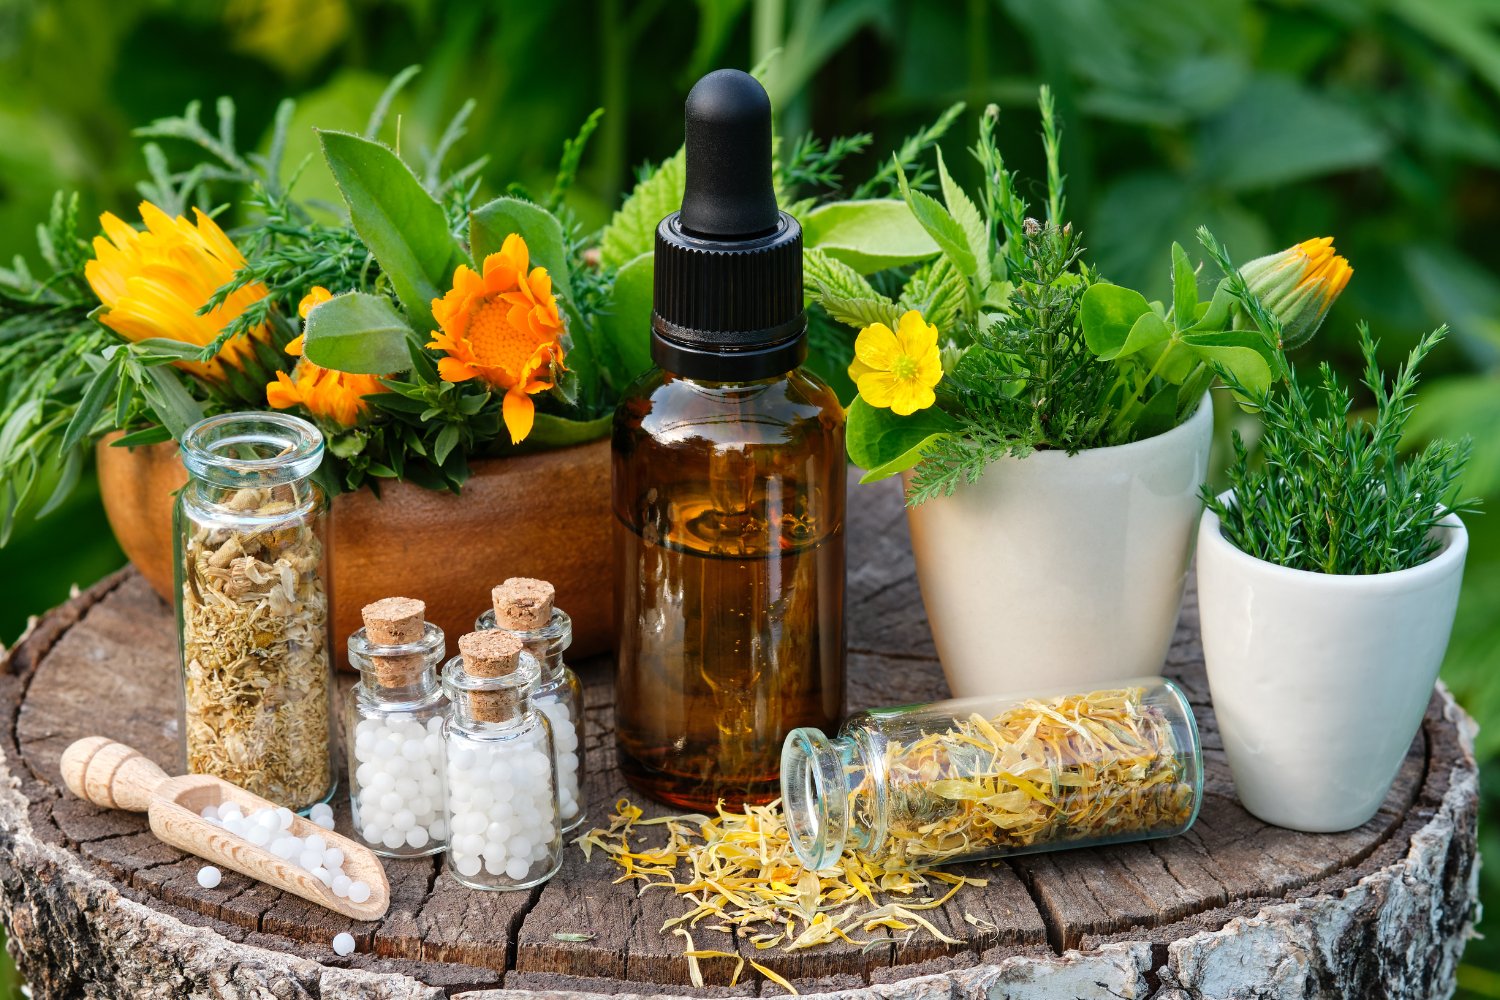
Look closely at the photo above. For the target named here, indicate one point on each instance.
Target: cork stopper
(396, 621)
(492, 654)
(524, 604)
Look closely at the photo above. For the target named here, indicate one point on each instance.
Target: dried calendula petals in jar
(253, 607)
(985, 777)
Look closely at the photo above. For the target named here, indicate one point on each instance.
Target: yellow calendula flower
(153, 283)
(1298, 285)
(501, 325)
(898, 369)
(323, 392)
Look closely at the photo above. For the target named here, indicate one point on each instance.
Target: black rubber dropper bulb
(727, 126)
(728, 267)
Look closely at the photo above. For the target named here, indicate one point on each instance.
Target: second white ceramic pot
(1063, 570)
(1320, 682)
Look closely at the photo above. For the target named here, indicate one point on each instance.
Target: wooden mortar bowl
(545, 515)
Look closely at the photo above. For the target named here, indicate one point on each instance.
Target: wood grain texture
(415, 542)
(98, 906)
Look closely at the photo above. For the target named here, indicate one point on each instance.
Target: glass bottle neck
(491, 705)
(546, 645)
(833, 796)
(399, 676)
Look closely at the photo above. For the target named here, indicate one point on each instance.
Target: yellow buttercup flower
(323, 392)
(154, 282)
(898, 369)
(502, 326)
(1298, 285)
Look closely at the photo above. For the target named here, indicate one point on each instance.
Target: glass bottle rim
(285, 449)
(557, 633)
(815, 798)
(458, 681)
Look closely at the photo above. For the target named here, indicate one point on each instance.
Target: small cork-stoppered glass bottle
(993, 776)
(524, 608)
(503, 825)
(252, 607)
(393, 721)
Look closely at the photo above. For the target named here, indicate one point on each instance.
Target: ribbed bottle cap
(728, 284)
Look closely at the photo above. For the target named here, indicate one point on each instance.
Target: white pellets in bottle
(503, 823)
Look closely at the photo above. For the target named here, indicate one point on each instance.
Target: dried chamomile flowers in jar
(252, 607)
(990, 776)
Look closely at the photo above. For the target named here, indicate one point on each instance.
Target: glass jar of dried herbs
(990, 776)
(252, 607)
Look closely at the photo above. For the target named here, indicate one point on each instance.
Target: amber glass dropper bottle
(728, 486)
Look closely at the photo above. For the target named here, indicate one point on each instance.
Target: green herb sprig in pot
(1328, 578)
(1053, 428)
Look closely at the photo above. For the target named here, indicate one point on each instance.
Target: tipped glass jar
(986, 777)
(523, 608)
(502, 812)
(393, 721)
(252, 608)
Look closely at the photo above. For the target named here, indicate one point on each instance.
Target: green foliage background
(1375, 121)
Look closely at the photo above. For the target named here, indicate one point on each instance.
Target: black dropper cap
(728, 294)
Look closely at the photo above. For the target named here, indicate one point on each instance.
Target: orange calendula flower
(323, 392)
(898, 368)
(502, 326)
(153, 283)
(1298, 285)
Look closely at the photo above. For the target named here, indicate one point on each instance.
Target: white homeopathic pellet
(502, 814)
(343, 944)
(271, 829)
(565, 750)
(398, 772)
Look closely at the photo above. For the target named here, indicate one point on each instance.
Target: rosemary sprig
(1331, 493)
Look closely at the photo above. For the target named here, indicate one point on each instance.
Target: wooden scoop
(115, 776)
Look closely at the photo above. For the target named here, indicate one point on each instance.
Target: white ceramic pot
(1063, 570)
(1320, 682)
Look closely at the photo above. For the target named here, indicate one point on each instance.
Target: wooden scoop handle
(110, 774)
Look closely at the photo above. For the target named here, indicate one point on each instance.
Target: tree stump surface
(1234, 908)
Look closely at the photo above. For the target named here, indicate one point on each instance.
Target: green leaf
(1158, 415)
(1184, 288)
(1241, 352)
(144, 436)
(860, 313)
(67, 478)
(967, 215)
(1215, 313)
(626, 319)
(884, 444)
(551, 431)
(1193, 386)
(490, 223)
(1109, 313)
(399, 221)
(1150, 330)
(447, 440)
(869, 236)
(940, 225)
(938, 291)
(358, 333)
(95, 397)
(632, 230)
(169, 400)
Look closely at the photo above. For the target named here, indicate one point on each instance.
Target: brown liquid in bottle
(729, 574)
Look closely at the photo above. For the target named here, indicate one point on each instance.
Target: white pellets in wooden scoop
(271, 829)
